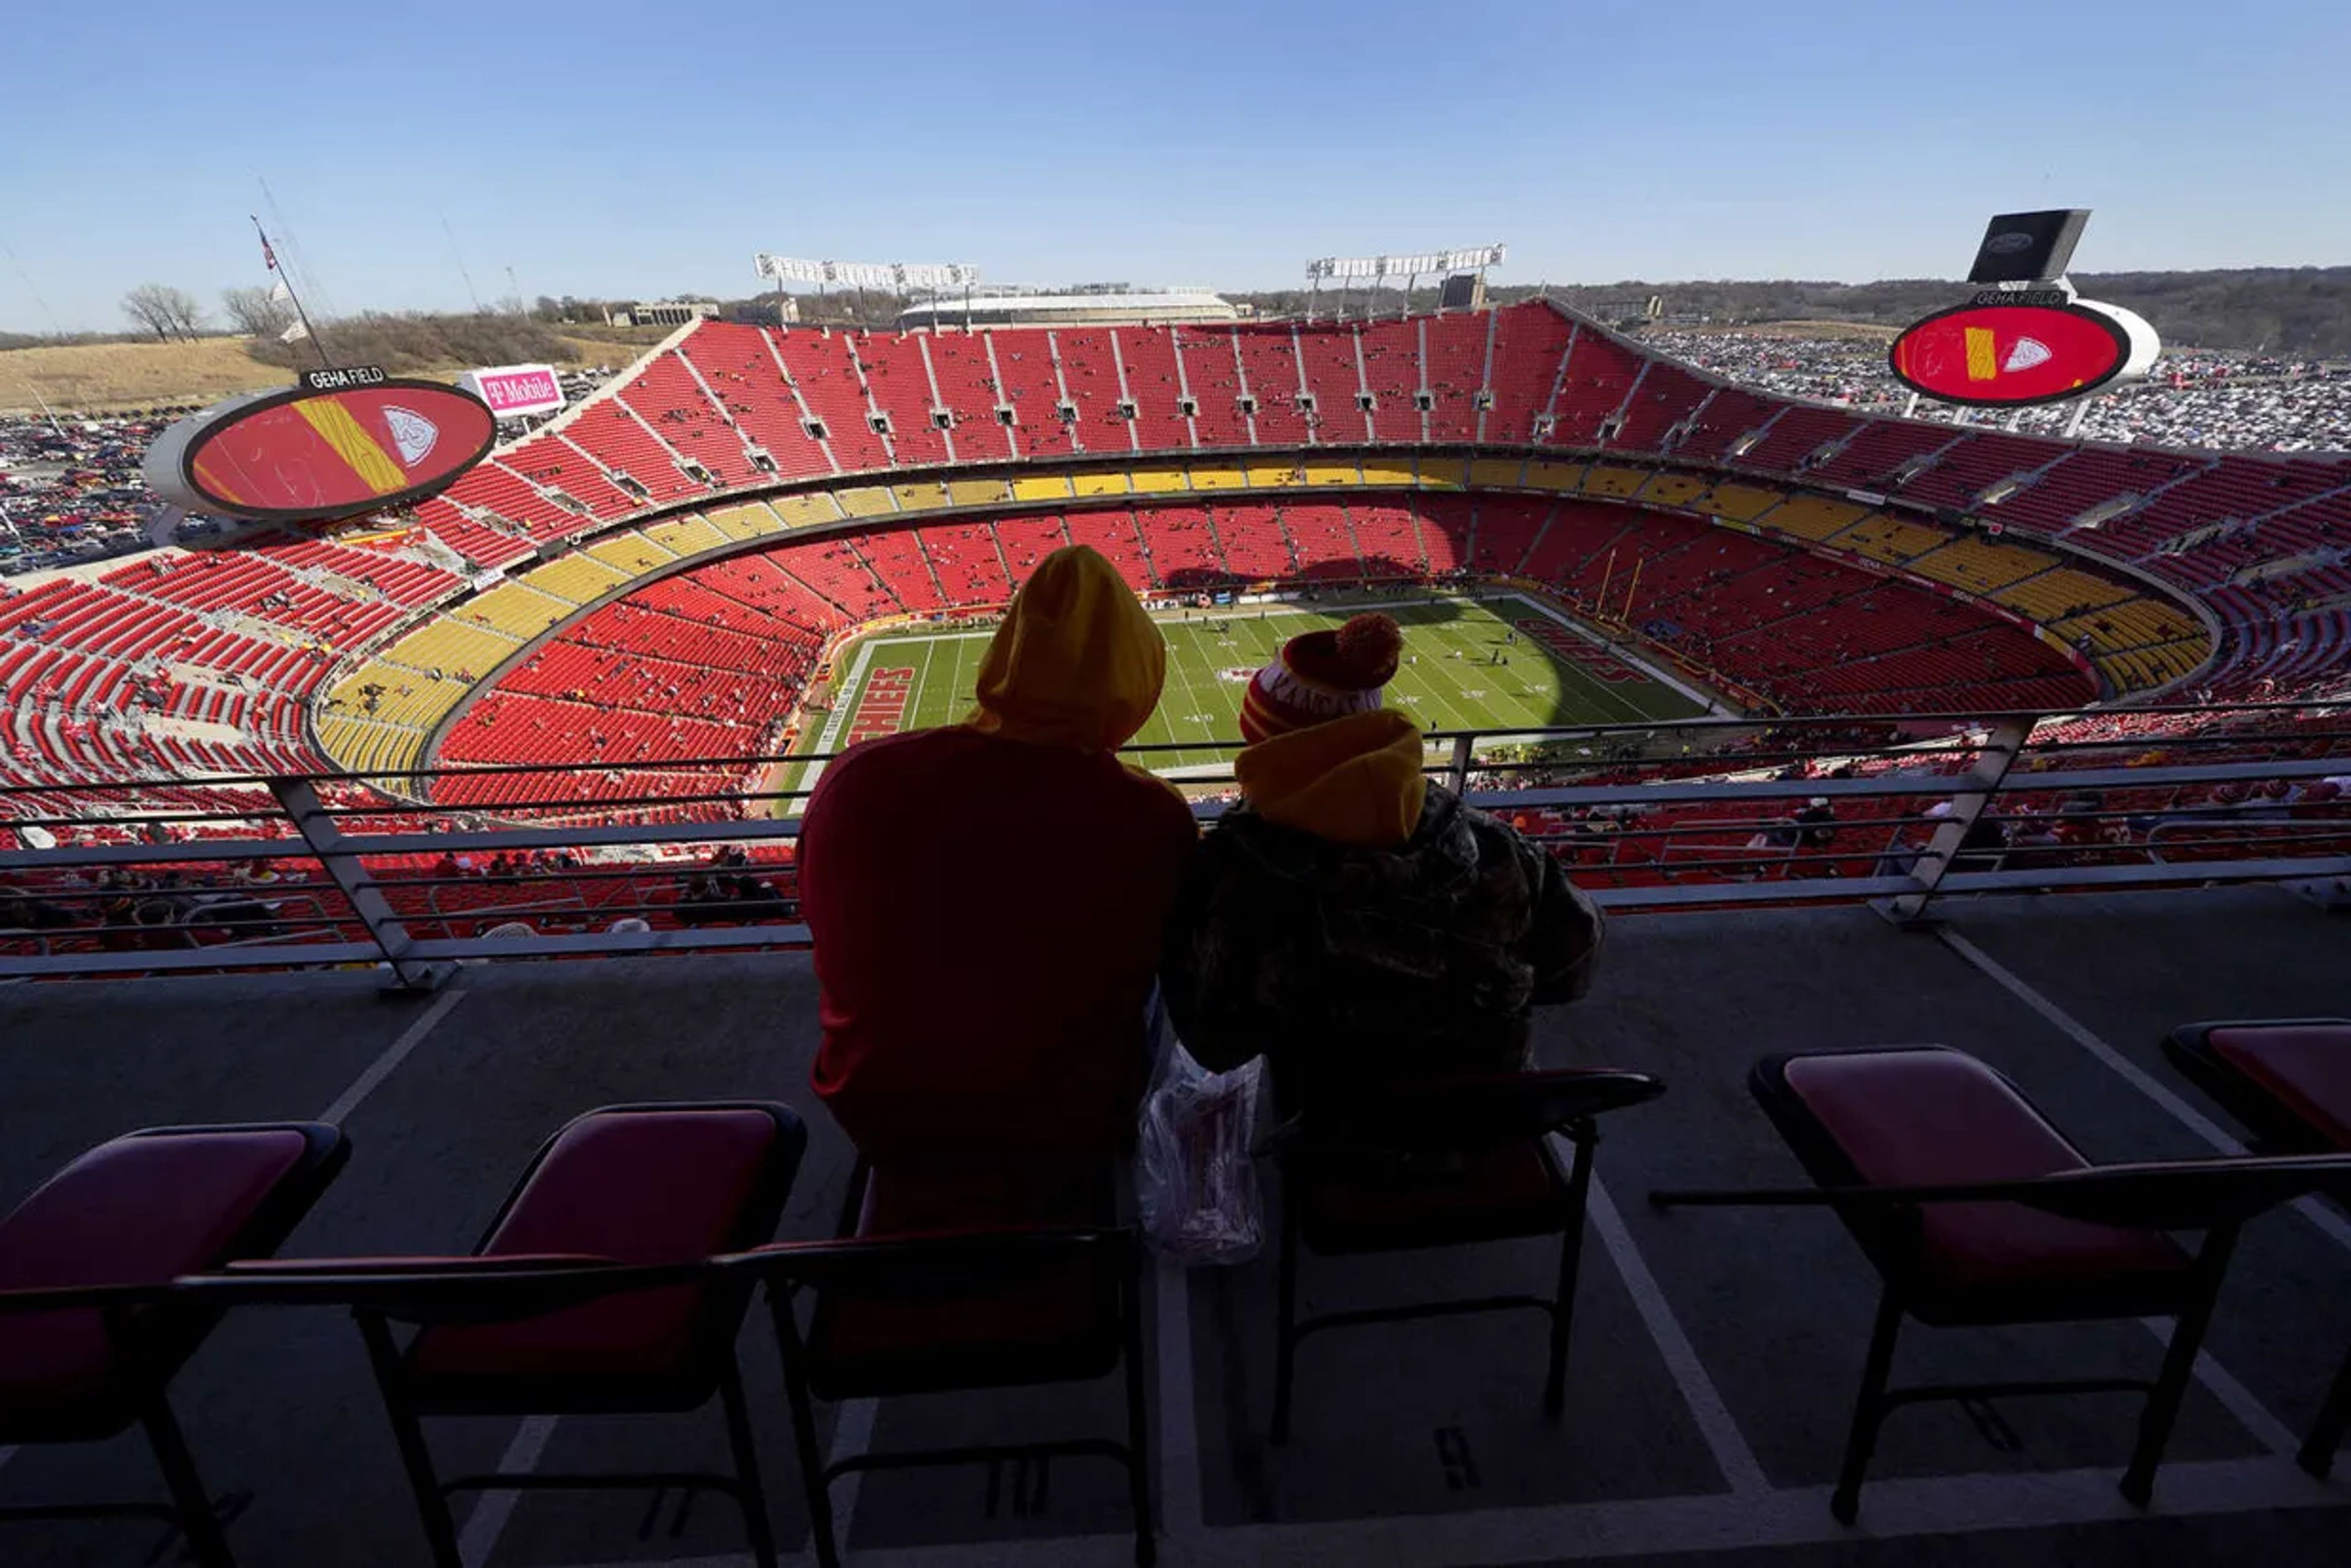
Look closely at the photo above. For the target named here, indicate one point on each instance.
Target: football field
(1497, 664)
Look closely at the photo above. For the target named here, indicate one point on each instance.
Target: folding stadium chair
(1442, 1163)
(2288, 1082)
(952, 1283)
(117, 1225)
(637, 1185)
(1975, 1210)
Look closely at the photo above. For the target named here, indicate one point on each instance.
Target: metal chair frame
(155, 1333)
(1460, 1116)
(938, 1268)
(2275, 1125)
(2216, 1196)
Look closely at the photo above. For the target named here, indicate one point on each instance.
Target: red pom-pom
(1369, 646)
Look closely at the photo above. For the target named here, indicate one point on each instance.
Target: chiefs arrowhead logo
(2027, 353)
(411, 433)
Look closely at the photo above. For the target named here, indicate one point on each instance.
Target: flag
(281, 294)
(295, 333)
(268, 257)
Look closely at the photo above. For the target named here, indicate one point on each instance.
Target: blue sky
(638, 150)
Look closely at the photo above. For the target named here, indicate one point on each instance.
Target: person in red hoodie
(986, 900)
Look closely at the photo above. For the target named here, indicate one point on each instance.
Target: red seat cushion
(636, 1186)
(1386, 1204)
(1930, 1117)
(138, 1210)
(2306, 1066)
(1059, 1325)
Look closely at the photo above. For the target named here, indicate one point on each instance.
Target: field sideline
(1549, 674)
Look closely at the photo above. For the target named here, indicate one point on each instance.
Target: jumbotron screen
(2013, 355)
(299, 453)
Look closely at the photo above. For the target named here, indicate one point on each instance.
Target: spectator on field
(1350, 921)
(985, 899)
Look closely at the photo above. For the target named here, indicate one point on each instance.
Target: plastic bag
(1197, 1185)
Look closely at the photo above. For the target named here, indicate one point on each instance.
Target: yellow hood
(1355, 780)
(1076, 662)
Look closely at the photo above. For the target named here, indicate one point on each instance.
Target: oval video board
(2012, 356)
(322, 452)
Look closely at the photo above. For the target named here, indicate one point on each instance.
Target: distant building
(1047, 309)
(660, 312)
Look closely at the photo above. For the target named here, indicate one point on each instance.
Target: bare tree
(164, 311)
(146, 306)
(254, 313)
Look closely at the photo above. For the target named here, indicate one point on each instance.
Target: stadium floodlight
(1371, 270)
(895, 275)
(1378, 266)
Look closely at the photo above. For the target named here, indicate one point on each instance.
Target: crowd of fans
(2191, 399)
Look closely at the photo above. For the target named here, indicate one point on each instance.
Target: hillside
(108, 378)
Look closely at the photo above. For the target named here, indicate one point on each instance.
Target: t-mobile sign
(514, 391)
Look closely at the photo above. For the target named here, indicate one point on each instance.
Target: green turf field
(899, 680)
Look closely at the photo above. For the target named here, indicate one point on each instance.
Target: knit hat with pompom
(1323, 675)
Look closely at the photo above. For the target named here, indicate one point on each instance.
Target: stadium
(1761, 672)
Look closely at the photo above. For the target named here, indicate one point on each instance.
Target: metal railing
(159, 876)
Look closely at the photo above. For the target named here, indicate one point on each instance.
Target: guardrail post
(298, 797)
(1457, 777)
(1973, 793)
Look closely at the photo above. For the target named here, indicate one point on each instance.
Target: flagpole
(46, 411)
(300, 314)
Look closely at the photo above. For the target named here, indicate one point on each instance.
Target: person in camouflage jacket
(1350, 922)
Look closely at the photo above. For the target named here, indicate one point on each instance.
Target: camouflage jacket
(1329, 959)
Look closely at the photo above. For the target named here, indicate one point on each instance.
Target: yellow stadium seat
(806, 506)
(454, 647)
(1387, 470)
(1980, 565)
(1672, 489)
(407, 695)
(866, 501)
(1158, 481)
(1218, 477)
(1497, 473)
(578, 577)
(1604, 480)
(1742, 503)
(1041, 487)
(1810, 517)
(1100, 482)
(920, 498)
(1443, 473)
(978, 492)
(689, 535)
(2054, 595)
(745, 522)
(1552, 475)
(515, 610)
(630, 553)
(1282, 471)
(1895, 540)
